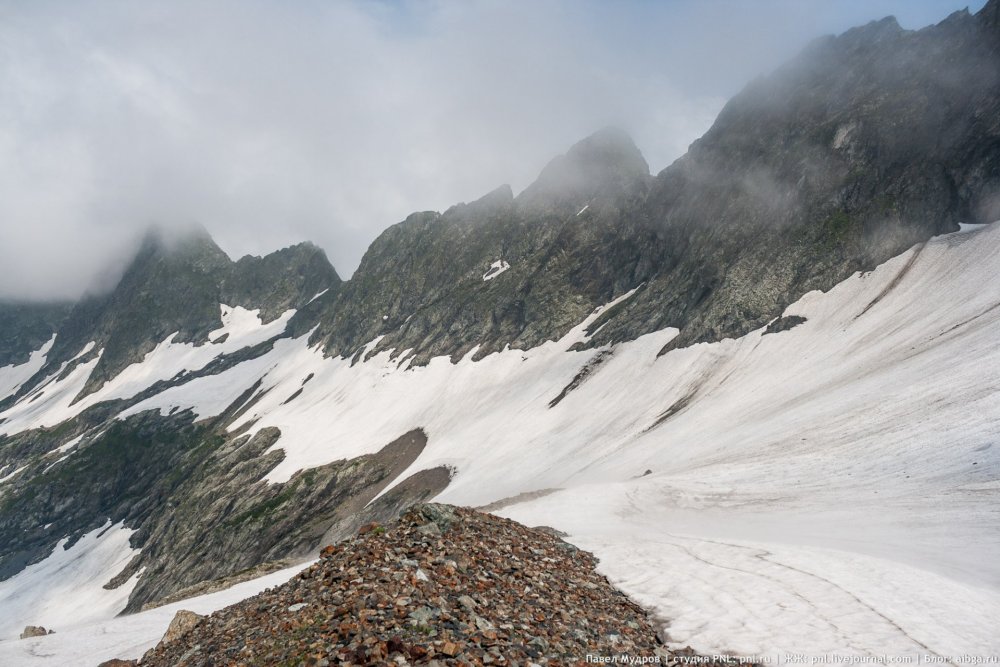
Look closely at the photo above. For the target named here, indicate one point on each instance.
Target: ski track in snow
(833, 487)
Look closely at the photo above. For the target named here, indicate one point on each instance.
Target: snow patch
(11, 475)
(318, 295)
(496, 268)
(966, 227)
(86, 348)
(12, 377)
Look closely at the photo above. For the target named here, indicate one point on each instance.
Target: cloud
(270, 123)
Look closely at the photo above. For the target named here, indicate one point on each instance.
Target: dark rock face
(421, 283)
(25, 327)
(225, 518)
(785, 323)
(862, 146)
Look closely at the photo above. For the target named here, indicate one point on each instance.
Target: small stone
(539, 644)
(467, 602)
(298, 606)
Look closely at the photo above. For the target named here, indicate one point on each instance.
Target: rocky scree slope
(442, 584)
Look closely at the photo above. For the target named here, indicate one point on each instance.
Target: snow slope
(66, 589)
(830, 487)
(128, 637)
(54, 400)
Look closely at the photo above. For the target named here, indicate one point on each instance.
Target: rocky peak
(872, 35)
(607, 163)
(274, 283)
(192, 249)
(416, 595)
(174, 285)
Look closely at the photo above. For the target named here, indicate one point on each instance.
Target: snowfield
(54, 401)
(66, 589)
(830, 488)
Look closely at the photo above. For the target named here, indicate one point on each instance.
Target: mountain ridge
(836, 164)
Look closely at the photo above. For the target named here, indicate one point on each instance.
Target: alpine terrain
(759, 386)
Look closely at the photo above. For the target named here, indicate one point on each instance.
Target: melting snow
(496, 268)
(318, 295)
(11, 475)
(966, 227)
(86, 348)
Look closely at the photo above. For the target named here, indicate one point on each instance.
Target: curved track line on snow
(898, 278)
(769, 557)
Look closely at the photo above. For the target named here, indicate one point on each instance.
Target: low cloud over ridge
(269, 123)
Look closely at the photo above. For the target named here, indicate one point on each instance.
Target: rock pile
(444, 586)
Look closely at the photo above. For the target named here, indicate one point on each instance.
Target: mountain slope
(862, 146)
(616, 354)
(173, 287)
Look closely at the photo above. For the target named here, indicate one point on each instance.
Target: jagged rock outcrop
(197, 499)
(224, 518)
(34, 631)
(421, 284)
